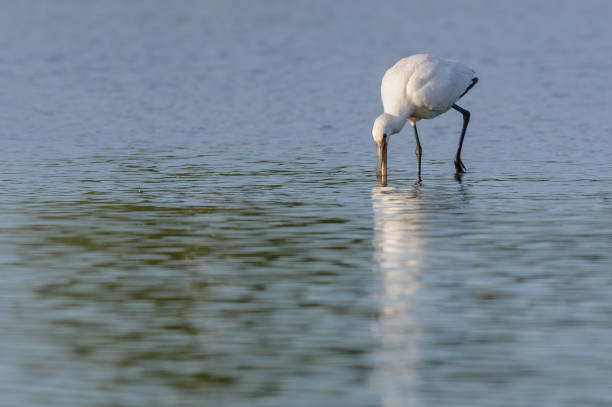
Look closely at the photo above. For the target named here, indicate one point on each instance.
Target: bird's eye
(385, 135)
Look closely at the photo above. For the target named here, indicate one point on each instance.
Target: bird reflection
(400, 256)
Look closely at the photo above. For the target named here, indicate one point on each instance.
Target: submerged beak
(381, 168)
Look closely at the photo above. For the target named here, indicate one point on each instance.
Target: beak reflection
(399, 259)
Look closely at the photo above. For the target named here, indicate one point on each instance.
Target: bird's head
(381, 132)
(384, 126)
(381, 129)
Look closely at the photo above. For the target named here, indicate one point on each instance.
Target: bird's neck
(395, 123)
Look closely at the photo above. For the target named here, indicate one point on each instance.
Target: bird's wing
(437, 85)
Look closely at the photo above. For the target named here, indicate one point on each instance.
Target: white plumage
(420, 87)
(423, 86)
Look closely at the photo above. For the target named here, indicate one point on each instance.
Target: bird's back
(424, 85)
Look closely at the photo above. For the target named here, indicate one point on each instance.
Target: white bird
(420, 87)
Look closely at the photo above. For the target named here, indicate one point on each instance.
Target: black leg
(466, 119)
(418, 150)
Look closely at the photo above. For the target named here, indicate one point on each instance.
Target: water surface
(189, 213)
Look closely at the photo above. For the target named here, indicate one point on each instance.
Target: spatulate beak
(381, 168)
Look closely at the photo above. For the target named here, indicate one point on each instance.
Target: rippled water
(189, 213)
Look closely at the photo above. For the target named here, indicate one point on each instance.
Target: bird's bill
(381, 168)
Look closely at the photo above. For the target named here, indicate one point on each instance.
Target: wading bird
(419, 87)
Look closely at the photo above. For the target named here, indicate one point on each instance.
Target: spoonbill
(420, 87)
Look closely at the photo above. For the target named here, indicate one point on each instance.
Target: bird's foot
(459, 166)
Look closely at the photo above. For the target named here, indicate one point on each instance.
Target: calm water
(189, 214)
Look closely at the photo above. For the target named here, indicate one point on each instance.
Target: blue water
(189, 212)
